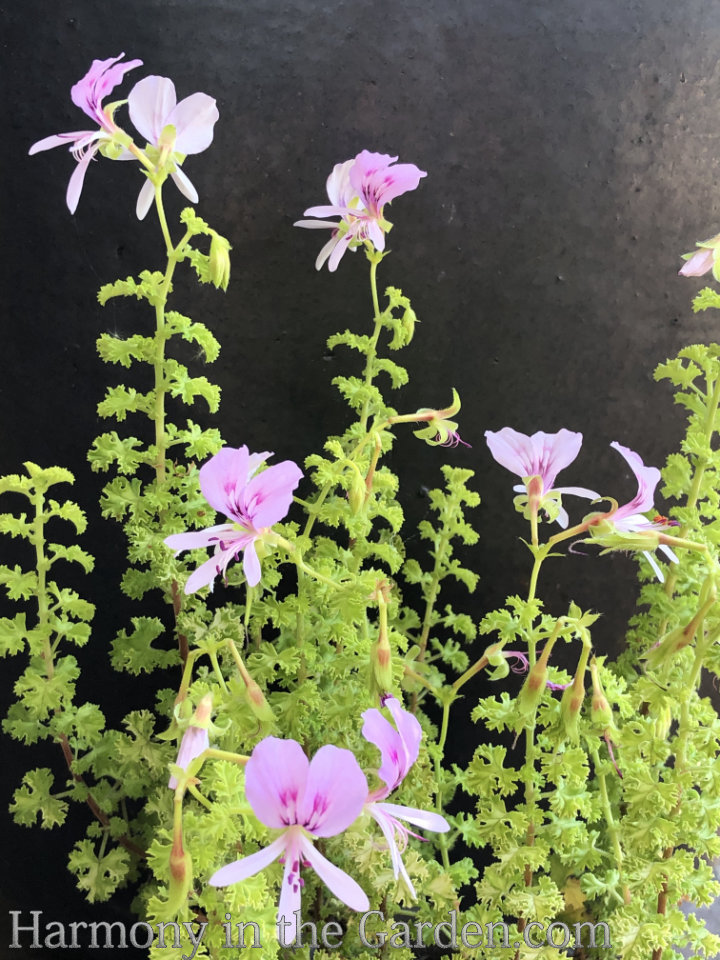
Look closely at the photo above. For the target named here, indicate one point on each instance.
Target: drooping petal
(184, 185)
(268, 495)
(144, 200)
(339, 250)
(290, 891)
(251, 565)
(193, 119)
(150, 101)
(60, 140)
(342, 885)
(275, 779)
(203, 576)
(335, 792)
(420, 818)
(647, 479)
(248, 866)
(387, 825)
(75, 184)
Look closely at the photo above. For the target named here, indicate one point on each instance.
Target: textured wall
(571, 156)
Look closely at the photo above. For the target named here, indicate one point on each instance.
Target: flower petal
(387, 826)
(194, 539)
(222, 476)
(342, 885)
(248, 866)
(542, 454)
(335, 792)
(149, 103)
(275, 778)
(193, 119)
(144, 200)
(251, 565)
(267, 497)
(75, 184)
(647, 479)
(184, 185)
(101, 78)
(420, 818)
(700, 262)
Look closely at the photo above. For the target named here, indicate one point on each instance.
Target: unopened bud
(408, 323)
(600, 710)
(258, 704)
(181, 878)
(571, 706)
(219, 261)
(381, 678)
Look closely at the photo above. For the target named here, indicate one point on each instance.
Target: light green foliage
(597, 802)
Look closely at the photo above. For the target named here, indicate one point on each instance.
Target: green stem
(442, 839)
(607, 810)
(372, 349)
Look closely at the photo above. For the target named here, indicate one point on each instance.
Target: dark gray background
(571, 150)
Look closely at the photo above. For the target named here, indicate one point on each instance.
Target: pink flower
(153, 107)
(321, 797)
(399, 746)
(88, 94)
(542, 455)
(702, 260)
(629, 517)
(195, 739)
(252, 501)
(358, 190)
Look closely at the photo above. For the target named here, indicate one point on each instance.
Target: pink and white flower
(303, 799)
(542, 456)
(358, 190)
(177, 129)
(88, 94)
(196, 739)
(252, 501)
(399, 746)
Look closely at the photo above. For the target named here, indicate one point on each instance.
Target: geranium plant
(293, 784)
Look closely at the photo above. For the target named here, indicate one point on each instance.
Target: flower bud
(571, 706)
(181, 878)
(600, 710)
(408, 324)
(381, 660)
(258, 704)
(219, 261)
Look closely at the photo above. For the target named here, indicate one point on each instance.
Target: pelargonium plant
(295, 777)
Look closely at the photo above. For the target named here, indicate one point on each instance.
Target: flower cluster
(538, 460)
(358, 190)
(172, 129)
